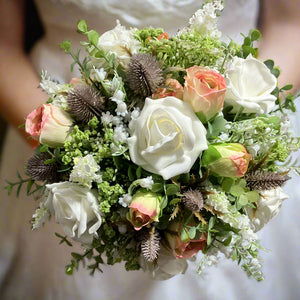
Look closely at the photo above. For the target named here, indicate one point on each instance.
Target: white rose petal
(268, 207)
(167, 265)
(249, 85)
(167, 137)
(119, 41)
(75, 209)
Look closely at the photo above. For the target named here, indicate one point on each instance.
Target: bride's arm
(281, 38)
(18, 79)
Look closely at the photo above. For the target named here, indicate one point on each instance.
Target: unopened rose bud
(227, 160)
(49, 124)
(144, 209)
(183, 249)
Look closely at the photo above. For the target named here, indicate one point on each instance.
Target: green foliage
(33, 188)
(248, 44)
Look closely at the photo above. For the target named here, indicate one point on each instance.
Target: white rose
(268, 207)
(249, 85)
(119, 41)
(75, 209)
(167, 137)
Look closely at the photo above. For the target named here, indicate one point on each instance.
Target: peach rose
(184, 249)
(204, 90)
(172, 88)
(49, 124)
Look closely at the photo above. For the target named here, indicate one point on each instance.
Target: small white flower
(107, 118)
(85, 171)
(120, 135)
(118, 96)
(121, 109)
(40, 216)
(99, 74)
(147, 182)
(125, 200)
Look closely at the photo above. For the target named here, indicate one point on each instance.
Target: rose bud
(183, 249)
(204, 90)
(171, 88)
(144, 209)
(227, 160)
(49, 124)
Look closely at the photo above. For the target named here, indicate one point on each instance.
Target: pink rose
(172, 88)
(226, 159)
(49, 124)
(144, 209)
(204, 90)
(184, 249)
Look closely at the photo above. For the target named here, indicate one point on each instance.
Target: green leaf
(172, 189)
(138, 172)
(270, 64)
(131, 175)
(211, 223)
(208, 241)
(184, 236)
(174, 201)
(49, 161)
(29, 185)
(227, 183)
(82, 26)
(227, 241)
(192, 232)
(287, 87)
(275, 72)
(247, 41)
(44, 148)
(93, 37)
(255, 35)
(157, 187)
(66, 46)
(252, 196)
(236, 190)
(243, 200)
(163, 203)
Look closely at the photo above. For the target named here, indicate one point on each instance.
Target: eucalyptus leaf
(172, 189)
(243, 200)
(237, 190)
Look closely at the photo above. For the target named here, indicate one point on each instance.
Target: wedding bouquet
(164, 148)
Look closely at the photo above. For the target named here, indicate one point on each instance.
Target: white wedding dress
(32, 262)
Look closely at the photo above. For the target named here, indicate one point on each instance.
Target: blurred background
(33, 31)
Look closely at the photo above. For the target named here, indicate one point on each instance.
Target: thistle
(264, 180)
(40, 171)
(144, 74)
(85, 102)
(150, 245)
(193, 200)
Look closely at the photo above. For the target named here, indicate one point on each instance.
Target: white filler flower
(167, 137)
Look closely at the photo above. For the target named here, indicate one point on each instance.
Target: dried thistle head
(150, 245)
(144, 74)
(85, 102)
(40, 171)
(193, 200)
